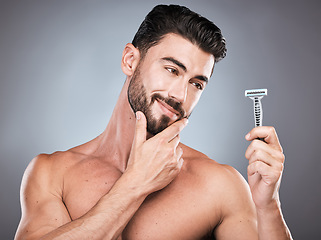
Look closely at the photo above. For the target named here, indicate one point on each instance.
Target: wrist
(129, 184)
(272, 206)
(271, 224)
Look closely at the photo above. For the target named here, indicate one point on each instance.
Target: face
(169, 81)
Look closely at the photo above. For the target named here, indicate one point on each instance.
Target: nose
(178, 90)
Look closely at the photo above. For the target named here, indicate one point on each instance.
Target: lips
(167, 109)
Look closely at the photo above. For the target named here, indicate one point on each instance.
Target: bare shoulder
(227, 192)
(199, 164)
(47, 172)
(40, 169)
(46, 165)
(216, 179)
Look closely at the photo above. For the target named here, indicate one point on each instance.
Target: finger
(268, 134)
(180, 163)
(257, 167)
(262, 150)
(255, 145)
(175, 161)
(173, 172)
(268, 174)
(180, 160)
(179, 153)
(262, 156)
(140, 128)
(173, 130)
(174, 142)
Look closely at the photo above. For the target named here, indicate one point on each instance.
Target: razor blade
(256, 92)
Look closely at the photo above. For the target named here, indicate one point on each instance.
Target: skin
(129, 184)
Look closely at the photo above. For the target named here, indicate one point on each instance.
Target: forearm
(107, 219)
(271, 224)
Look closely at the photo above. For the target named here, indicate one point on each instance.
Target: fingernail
(138, 115)
(247, 137)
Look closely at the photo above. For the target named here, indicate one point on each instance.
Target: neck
(114, 144)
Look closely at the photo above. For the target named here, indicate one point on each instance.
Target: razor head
(256, 92)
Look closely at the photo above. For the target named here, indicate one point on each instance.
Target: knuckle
(271, 130)
(247, 155)
(173, 164)
(255, 144)
(257, 164)
(179, 151)
(251, 168)
(281, 167)
(281, 150)
(280, 156)
(252, 146)
(176, 126)
(258, 153)
(253, 158)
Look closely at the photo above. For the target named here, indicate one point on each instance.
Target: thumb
(140, 129)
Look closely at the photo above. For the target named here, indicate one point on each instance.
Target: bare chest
(85, 184)
(169, 215)
(176, 212)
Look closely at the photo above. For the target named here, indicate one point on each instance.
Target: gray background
(60, 78)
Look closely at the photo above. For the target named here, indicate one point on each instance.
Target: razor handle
(258, 113)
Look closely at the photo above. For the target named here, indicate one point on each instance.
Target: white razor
(256, 95)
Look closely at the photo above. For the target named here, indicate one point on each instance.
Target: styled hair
(164, 19)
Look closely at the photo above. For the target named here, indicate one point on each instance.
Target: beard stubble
(137, 98)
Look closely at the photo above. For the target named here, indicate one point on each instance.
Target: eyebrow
(182, 66)
(202, 78)
(176, 62)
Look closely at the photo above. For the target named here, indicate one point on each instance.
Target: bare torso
(188, 208)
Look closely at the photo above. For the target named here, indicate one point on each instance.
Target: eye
(172, 70)
(198, 85)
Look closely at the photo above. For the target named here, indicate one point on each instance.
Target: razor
(256, 95)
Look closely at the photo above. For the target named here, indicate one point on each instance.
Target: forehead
(172, 45)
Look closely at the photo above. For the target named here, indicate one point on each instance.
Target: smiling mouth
(169, 111)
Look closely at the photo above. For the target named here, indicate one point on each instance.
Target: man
(136, 180)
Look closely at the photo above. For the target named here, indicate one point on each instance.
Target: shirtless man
(136, 180)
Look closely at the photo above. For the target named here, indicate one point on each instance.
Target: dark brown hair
(164, 19)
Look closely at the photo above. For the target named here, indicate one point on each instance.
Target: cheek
(153, 80)
(191, 101)
(156, 83)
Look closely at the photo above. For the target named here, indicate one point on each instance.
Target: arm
(152, 165)
(265, 169)
(45, 216)
(238, 214)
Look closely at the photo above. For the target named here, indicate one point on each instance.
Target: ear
(130, 59)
